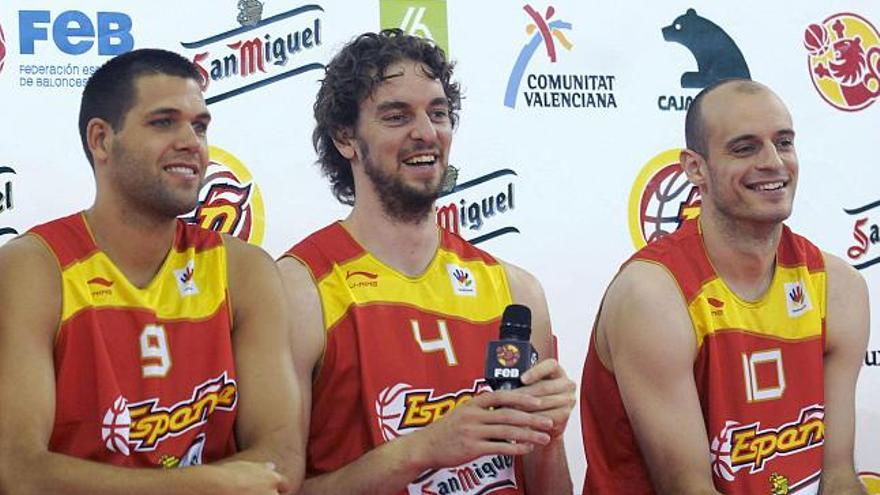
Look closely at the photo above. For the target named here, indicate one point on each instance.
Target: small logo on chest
(185, 278)
(463, 282)
(797, 299)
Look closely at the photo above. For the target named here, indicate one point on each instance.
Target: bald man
(724, 357)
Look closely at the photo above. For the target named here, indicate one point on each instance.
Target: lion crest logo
(844, 60)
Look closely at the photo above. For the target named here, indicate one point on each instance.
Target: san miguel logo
(661, 199)
(716, 54)
(844, 60)
(865, 249)
(480, 209)
(229, 200)
(260, 52)
(552, 89)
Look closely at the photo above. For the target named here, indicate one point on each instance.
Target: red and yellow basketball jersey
(402, 352)
(758, 372)
(144, 377)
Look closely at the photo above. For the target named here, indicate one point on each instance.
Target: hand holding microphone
(508, 358)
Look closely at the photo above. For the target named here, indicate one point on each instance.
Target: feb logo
(844, 61)
(661, 199)
(230, 201)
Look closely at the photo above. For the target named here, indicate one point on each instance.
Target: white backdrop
(567, 169)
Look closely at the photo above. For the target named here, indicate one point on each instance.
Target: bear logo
(717, 55)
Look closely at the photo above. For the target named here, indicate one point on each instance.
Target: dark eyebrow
(174, 111)
(391, 105)
(751, 137)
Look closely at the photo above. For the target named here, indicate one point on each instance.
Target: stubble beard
(400, 201)
(148, 193)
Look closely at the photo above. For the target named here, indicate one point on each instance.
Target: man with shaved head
(724, 357)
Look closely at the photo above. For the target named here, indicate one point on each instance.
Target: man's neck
(135, 242)
(408, 247)
(743, 254)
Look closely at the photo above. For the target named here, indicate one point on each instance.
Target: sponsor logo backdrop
(567, 141)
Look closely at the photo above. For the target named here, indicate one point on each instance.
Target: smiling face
(750, 169)
(157, 159)
(400, 145)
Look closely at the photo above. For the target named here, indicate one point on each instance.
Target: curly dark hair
(352, 76)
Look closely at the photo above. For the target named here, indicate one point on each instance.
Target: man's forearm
(546, 470)
(841, 482)
(57, 473)
(385, 470)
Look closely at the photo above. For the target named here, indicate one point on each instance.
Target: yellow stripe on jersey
(96, 282)
(365, 280)
(792, 309)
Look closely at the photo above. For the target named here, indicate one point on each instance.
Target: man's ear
(344, 141)
(694, 166)
(99, 133)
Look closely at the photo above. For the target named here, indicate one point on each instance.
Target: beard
(400, 201)
(146, 192)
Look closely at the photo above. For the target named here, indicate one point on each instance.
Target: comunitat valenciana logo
(844, 60)
(230, 200)
(661, 199)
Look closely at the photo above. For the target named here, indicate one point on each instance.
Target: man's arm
(30, 309)
(546, 469)
(846, 338)
(269, 424)
(466, 433)
(645, 337)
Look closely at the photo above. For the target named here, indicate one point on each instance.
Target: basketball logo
(507, 354)
(720, 453)
(230, 200)
(116, 425)
(843, 56)
(390, 408)
(661, 199)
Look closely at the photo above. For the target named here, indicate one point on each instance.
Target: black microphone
(512, 355)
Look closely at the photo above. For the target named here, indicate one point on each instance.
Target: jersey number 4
(442, 344)
(155, 354)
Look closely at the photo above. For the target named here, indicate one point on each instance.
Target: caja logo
(844, 60)
(716, 54)
(554, 90)
(661, 199)
(422, 18)
(866, 234)
(230, 200)
(260, 52)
